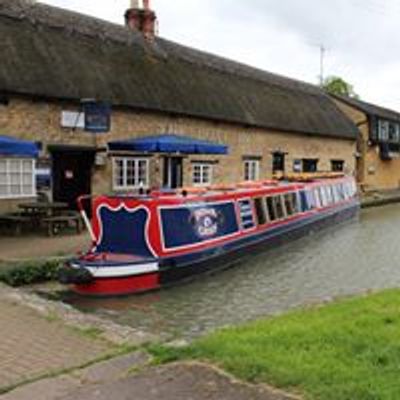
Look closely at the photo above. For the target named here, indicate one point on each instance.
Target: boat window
(322, 196)
(246, 214)
(271, 208)
(260, 211)
(335, 194)
(289, 204)
(340, 191)
(296, 208)
(328, 194)
(279, 206)
(310, 199)
(303, 201)
(345, 194)
(353, 186)
(317, 198)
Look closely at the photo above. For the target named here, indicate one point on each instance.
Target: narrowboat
(147, 241)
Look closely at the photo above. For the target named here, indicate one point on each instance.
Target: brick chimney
(142, 19)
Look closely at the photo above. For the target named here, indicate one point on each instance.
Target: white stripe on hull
(121, 270)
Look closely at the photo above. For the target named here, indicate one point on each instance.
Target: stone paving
(32, 345)
(129, 378)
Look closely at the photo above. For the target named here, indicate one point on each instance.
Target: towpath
(44, 356)
(36, 247)
(32, 346)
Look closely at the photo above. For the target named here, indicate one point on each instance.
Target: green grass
(345, 350)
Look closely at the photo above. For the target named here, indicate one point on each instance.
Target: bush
(26, 274)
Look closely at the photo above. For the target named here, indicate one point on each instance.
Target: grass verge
(345, 350)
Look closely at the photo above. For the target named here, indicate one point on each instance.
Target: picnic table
(43, 208)
(53, 216)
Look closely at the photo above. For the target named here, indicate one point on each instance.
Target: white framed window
(202, 174)
(383, 130)
(130, 173)
(251, 170)
(17, 178)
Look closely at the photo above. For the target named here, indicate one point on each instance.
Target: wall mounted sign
(97, 116)
(72, 119)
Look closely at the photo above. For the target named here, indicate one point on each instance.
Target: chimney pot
(134, 3)
(143, 19)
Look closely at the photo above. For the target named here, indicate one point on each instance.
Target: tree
(337, 85)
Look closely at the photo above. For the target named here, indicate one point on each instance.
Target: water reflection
(351, 258)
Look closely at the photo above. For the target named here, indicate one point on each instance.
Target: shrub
(29, 273)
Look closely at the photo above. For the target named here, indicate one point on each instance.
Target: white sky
(283, 36)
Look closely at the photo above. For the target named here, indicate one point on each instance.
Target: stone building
(378, 144)
(53, 59)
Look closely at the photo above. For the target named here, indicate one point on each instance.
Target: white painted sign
(72, 119)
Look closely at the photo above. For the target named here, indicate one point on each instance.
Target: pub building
(92, 92)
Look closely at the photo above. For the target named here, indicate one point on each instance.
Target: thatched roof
(54, 53)
(370, 109)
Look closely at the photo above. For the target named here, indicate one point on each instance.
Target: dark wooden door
(72, 175)
(173, 172)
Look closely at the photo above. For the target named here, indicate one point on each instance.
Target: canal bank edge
(108, 330)
(380, 198)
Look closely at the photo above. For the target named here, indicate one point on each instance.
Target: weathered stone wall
(40, 121)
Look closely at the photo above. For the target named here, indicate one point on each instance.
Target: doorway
(278, 162)
(173, 172)
(71, 173)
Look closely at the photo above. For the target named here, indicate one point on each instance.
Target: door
(278, 162)
(173, 172)
(72, 175)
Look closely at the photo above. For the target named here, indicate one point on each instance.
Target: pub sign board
(97, 116)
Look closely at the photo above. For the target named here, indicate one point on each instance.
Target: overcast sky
(283, 36)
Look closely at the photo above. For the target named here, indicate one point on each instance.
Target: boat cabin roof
(237, 191)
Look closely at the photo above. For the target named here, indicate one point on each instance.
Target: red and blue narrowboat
(147, 241)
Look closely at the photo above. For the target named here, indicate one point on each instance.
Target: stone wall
(40, 121)
(372, 172)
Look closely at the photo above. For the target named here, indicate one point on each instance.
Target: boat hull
(238, 252)
(173, 270)
(119, 286)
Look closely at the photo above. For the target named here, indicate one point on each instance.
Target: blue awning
(168, 144)
(10, 146)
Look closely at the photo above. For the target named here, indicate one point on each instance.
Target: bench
(55, 223)
(16, 221)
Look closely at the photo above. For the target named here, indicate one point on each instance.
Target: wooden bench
(15, 221)
(55, 223)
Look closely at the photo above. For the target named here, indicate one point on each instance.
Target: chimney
(142, 19)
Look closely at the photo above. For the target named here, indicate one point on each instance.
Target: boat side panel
(187, 225)
(222, 257)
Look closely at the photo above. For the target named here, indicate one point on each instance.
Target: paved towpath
(32, 345)
(15, 248)
(41, 357)
(116, 380)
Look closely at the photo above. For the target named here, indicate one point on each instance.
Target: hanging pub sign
(97, 116)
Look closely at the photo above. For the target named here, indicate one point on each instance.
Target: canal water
(351, 258)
